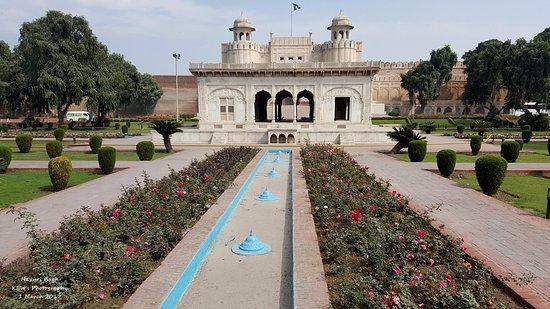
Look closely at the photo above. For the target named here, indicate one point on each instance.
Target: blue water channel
(186, 278)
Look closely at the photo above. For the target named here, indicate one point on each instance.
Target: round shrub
(145, 150)
(106, 156)
(509, 150)
(117, 126)
(60, 170)
(526, 127)
(128, 123)
(526, 136)
(475, 144)
(54, 149)
(460, 128)
(24, 142)
(5, 158)
(124, 129)
(3, 128)
(417, 150)
(59, 134)
(95, 143)
(490, 172)
(446, 161)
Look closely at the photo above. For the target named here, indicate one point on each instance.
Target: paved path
(51, 209)
(32, 164)
(505, 238)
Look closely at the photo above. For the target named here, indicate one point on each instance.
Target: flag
(295, 6)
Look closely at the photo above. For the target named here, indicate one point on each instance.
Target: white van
(76, 115)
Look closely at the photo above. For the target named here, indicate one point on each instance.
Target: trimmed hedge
(490, 172)
(526, 136)
(520, 142)
(54, 149)
(417, 150)
(24, 142)
(460, 128)
(5, 158)
(59, 134)
(60, 170)
(117, 126)
(95, 142)
(124, 129)
(475, 144)
(145, 150)
(509, 150)
(446, 161)
(128, 123)
(106, 156)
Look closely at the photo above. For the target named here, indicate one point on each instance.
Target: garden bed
(97, 259)
(461, 157)
(377, 252)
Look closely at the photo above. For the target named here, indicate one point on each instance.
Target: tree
(424, 81)
(166, 129)
(115, 84)
(403, 136)
(443, 60)
(59, 54)
(12, 82)
(484, 68)
(421, 83)
(148, 91)
(527, 72)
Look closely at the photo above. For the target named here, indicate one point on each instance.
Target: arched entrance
(305, 106)
(284, 106)
(260, 106)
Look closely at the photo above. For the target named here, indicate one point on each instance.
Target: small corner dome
(241, 22)
(341, 20)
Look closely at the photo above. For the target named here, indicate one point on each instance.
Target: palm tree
(166, 128)
(403, 136)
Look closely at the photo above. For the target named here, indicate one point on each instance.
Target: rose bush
(102, 256)
(378, 253)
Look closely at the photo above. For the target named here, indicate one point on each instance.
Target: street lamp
(176, 58)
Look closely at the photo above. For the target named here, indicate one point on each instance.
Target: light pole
(176, 58)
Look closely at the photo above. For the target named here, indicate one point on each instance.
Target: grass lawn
(521, 191)
(23, 186)
(536, 147)
(524, 157)
(41, 155)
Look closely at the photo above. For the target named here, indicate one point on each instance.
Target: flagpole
(291, 13)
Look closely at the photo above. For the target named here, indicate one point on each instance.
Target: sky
(148, 32)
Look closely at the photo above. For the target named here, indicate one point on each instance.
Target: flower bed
(377, 252)
(68, 134)
(98, 258)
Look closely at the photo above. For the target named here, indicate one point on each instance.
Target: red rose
(54, 266)
(180, 192)
(130, 250)
(397, 270)
(165, 196)
(370, 294)
(67, 257)
(180, 184)
(373, 209)
(338, 217)
(356, 215)
(421, 233)
(206, 178)
(116, 213)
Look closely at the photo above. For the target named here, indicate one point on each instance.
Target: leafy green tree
(484, 68)
(59, 54)
(421, 83)
(148, 91)
(443, 60)
(166, 129)
(115, 84)
(12, 82)
(527, 72)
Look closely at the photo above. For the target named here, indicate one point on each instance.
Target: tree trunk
(167, 144)
(60, 115)
(397, 148)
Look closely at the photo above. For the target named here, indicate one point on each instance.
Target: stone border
(310, 286)
(152, 292)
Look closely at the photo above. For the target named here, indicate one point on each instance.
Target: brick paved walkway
(505, 238)
(51, 209)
